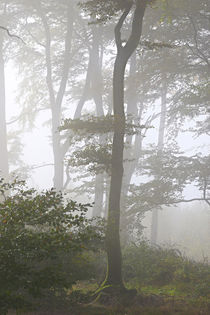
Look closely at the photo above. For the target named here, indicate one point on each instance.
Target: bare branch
(199, 54)
(188, 200)
(42, 165)
(12, 35)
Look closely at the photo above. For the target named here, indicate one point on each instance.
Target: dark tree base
(110, 295)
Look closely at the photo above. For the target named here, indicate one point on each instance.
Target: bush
(44, 243)
(154, 265)
(150, 264)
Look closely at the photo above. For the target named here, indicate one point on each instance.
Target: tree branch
(188, 200)
(136, 31)
(12, 35)
(199, 54)
(119, 25)
(66, 63)
(43, 165)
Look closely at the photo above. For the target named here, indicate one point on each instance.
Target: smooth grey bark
(93, 88)
(97, 90)
(4, 164)
(97, 79)
(85, 93)
(96, 87)
(162, 126)
(99, 195)
(93, 82)
(59, 148)
(114, 266)
(132, 151)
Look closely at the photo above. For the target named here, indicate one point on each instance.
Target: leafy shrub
(154, 265)
(195, 275)
(150, 264)
(44, 243)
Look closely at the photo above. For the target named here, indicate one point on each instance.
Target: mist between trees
(122, 88)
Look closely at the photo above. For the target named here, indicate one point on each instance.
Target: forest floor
(165, 281)
(151, 301)
(166, 308)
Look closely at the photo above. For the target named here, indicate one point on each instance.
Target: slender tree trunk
(97, 91)
(85, 93)
(113, 236)
(4, 165)
(97, 79)
(132, 114)
(93, 87)
(59, 149)
(106, 196)
(114, 270)
(155, 212)
(132, 150)
(93, 81)
(99, 194)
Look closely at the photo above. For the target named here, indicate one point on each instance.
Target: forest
(104, 157)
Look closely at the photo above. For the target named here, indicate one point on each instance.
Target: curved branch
(119, 25)
(189, 200)
(66, 63)
(136, 31)
(12, 35)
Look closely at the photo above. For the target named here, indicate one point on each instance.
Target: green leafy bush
(44, 244)
(150, 264)
(146, 265)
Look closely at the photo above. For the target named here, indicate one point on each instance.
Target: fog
(112, 113)
(35, 146)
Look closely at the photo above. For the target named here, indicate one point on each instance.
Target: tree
(124, 52)
(4, 166)
(114, 271)
(45, 59)
(7, 38)
(56, 99)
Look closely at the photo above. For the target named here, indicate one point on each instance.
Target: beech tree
(124, 52)
(4, 166)
(8, 40)
(125, 49)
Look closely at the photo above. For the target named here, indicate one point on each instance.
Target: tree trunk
(154, 224)
(4, 165)
(93, 87)
(59, 149)
(114, 267)
(93, 80)
(97, 91)
(99, 195)
(114, 275)
(132, 151)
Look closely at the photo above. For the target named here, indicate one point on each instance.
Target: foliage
(97, 158)
(168, 174)
(103, 10)
(146, 265)
(44, 242)
(91, 125)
